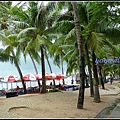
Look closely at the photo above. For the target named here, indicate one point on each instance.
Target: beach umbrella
(51, 76)
(38, 76)
(10, 79)
(56, 76)
(48, 76)
(29, 77)
(59, 76)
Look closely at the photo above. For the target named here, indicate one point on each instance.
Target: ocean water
(6, 68)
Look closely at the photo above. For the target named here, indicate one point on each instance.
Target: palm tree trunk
(81, 57)
(104, 75)
(43, 71)
(100, 74)
(49, 66)
(90, 72)
(96, 90)
(35, 68)
(62, 68)
(19, 71)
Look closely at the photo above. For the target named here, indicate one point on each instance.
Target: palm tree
(34, 55)
(96, 91)
(35, 33)
(8, 39)
(10, 42)
(63, 22)
(43, 72)
(49, 65)
(81, 56)
(90, 72)
(99, 23)
(90, 21)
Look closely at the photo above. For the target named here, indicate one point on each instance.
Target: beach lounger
(11, 94)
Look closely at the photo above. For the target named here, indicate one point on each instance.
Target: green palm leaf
(20, 25)
(27, 32)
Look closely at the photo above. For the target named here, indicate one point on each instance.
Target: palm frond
(93, 40)
(3, 56)
(7, 50)
(41, 18)
(19, 13)
(42, 40)
(12, 40)
(64, 26)
(50, 31)
(35, 55)
(27, 32)
(113, 34)
(70, 34)
(60, 40)
(20, 25)
(28, 47)
(56, 60)
(69, 55)
(4, 39)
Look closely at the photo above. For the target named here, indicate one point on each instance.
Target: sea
(6, 68)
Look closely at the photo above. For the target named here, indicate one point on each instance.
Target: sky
(15, 2)
(6, 68)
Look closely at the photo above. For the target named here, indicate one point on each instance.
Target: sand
(57, 104)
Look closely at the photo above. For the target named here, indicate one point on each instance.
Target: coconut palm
(81, 56)
(35, 32)
(64, 21)
(8, 39)
(99, 23)
(10, 44)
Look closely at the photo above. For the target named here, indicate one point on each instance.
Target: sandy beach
(57, 104)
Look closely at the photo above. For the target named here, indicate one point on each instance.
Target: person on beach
(111, 79)
(72, 81)
(3, 91)
(51, 85)
(19, 90)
